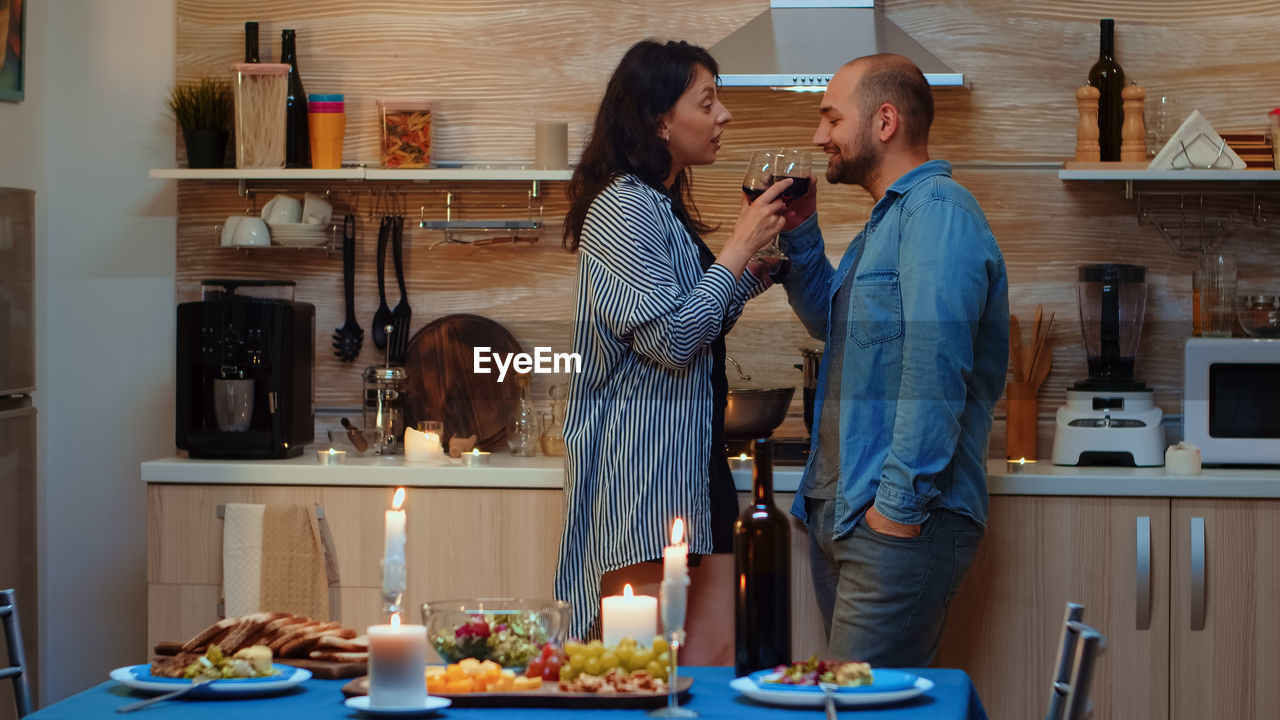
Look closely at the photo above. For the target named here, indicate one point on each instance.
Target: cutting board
(444, 386)
(323, 669)
(548, 696)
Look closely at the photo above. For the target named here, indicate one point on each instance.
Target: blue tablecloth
(952, 698)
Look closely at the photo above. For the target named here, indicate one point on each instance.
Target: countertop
(506, 471)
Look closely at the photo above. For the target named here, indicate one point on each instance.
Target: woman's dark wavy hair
(646, 84)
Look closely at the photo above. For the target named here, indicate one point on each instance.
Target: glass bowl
(339, 440)
(1259, 316)
(508, 631)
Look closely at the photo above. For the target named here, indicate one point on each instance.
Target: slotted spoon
(348, 338)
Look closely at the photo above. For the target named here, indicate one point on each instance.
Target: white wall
(105, 300)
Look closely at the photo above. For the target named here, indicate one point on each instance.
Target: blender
(1110, 418)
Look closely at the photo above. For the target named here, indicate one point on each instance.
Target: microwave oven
(1231, 400)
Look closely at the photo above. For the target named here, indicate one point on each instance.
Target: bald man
(916, 325)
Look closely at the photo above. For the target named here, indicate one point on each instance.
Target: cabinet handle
(1197, 573)
(1143, 580)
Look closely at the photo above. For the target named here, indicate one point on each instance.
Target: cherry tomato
(551, 671)
(548, 650)
(536, 666)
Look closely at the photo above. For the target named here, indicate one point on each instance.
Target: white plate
(797, 696)
(139, 678)
(430, 704)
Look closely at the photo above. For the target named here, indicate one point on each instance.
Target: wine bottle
(251, 42)
(762, 568)
(297, 142)
(1108, 77)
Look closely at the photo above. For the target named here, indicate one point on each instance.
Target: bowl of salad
(508, 631)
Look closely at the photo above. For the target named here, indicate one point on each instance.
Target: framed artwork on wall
(12, 52)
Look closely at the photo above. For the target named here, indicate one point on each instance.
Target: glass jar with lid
(384, 398)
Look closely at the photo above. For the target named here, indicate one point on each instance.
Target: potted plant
(203, 109)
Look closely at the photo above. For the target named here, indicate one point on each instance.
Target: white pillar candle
(675, 579)
(397, 665)
(422, 447)
(1182, 459)
(628, 615)
(393, 570)
(675, 557)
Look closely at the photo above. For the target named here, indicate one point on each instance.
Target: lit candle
(1182, 459)
(393, 570)
(675, 579)
(422, 447)
(397, 665)
(1021, 465)
(332, 456)
(475, 457)
(628, 615)
(742, 462)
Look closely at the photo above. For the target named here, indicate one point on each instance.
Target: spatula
(1015, 349)
(382, 317)
(401, 314)
(348, 338)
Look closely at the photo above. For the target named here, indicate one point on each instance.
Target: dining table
(952, 697)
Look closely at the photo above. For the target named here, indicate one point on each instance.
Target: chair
(13, 639)
(1080, 646)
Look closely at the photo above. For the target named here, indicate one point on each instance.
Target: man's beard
(859, 168)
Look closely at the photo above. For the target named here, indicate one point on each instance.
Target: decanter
(522, 431)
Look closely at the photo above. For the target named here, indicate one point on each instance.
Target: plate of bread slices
(327, 649)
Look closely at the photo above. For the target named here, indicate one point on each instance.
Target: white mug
(229, 230)
(233, 404)
(250, 232)
(282, 209)
(316, 210)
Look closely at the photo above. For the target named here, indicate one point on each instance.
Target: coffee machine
(244, 375)
(1110, 418)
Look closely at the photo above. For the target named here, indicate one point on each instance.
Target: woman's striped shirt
(638, 423)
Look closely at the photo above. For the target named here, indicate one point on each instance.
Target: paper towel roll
(551, 145)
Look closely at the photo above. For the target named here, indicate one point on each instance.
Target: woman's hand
(758, 223)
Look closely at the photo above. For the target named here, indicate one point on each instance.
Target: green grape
(627, 641)
(592, 667)
(624, 653)
(664, 658)
(573, 647)
(640, 659)
(567, 672)
(578, 661)
(657, 669)
(660, 644)
(608, 661)
(595, 649)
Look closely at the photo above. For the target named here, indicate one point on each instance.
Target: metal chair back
(13, 642)
(1078, 650)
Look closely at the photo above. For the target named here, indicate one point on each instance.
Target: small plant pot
(205, 148)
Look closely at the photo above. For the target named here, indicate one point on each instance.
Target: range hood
(799, 44)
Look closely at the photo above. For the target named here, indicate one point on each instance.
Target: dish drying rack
(1196, 222)
(457, 229)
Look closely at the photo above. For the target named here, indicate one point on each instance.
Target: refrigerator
(18, 423)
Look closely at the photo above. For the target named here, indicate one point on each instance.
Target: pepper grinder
(1133, 134)
(1087, 133)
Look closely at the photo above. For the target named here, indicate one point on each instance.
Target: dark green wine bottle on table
(762, 575)
(1108, 77)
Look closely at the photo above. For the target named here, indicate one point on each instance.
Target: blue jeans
(884, 599)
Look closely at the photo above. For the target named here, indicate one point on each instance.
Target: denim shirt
(925, 354)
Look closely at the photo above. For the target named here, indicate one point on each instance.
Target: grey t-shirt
(826, 466)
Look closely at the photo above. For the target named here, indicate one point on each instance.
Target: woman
(646, 414)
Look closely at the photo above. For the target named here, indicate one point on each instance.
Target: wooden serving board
(444, 386)
(548, 696)
(322, 669)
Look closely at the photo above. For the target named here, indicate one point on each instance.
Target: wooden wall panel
(495, 66)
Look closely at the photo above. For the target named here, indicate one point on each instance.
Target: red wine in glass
(793, 163)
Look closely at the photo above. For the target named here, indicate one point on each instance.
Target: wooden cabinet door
(1039, 553)
(1225, 587)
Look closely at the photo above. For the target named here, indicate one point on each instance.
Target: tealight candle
(1021, 465)
(332, 456)
(1182, 459)
(628, 615)
(422, 447)
(397, 664)
(475, 457)
(742, 462)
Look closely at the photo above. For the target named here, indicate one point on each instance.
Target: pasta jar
(406, 133)
(261, 92)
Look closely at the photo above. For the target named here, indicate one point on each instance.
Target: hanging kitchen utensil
(382, 316)
(1015, 349)
(401, 314)
(348, 338)
(443, 384)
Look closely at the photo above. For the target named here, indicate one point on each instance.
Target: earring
(666, 135)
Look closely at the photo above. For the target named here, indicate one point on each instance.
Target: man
(916, 324)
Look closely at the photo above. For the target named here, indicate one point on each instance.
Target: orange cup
(327, 130)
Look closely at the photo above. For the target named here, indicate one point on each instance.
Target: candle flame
(677, 532)
(395, 620)
(398, 500)
(475, 451)
(743, 456)
(627, 591)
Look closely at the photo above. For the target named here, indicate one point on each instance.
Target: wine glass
(765, 168)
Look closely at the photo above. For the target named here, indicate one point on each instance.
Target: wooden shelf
(474, 174)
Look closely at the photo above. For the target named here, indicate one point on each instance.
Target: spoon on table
(829, 689)
(167, 696)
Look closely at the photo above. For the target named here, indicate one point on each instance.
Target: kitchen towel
(293, 574)
(241, 558)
